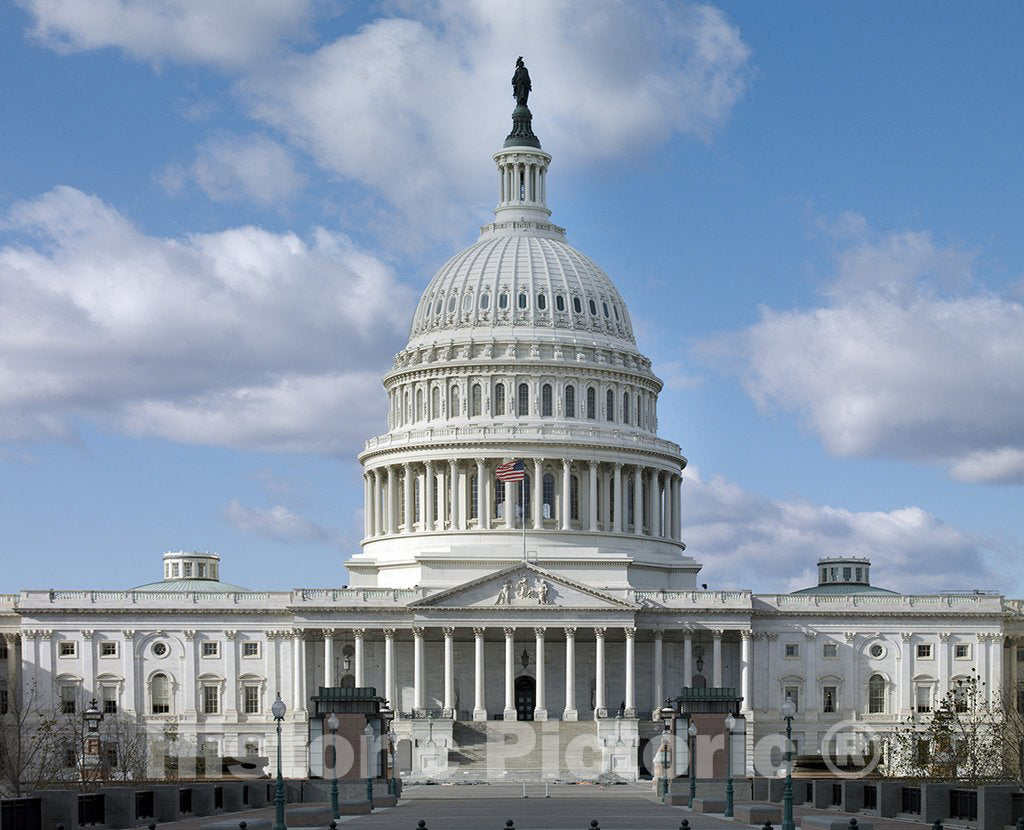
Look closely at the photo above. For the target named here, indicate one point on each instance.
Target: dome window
(577, 306)
(593, 308)
(570, 401)
(499, 399)
(437, 307)
(615, 308)
(485, 300)
(591, 403)
(609, 405)
(605, 307)
(523, 400)
(476, 401)
(559, 302)
(625, 407)
(542, 301)
(522, 301)
(453, 412)
(451, 303)
(545, 400)
(503, 300)
(467, 302)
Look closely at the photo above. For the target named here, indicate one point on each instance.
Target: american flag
(514, 470)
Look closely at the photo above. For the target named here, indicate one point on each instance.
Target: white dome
(512, 278)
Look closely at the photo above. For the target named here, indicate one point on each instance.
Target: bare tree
(32, 748)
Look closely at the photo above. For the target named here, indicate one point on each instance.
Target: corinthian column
(592, 497)
(570, 712)
(540, 710)
(449, 678)
(600, 709)
(630, 673)
(428, 500)
(566, 495)
(479, 709)
(538, 495)
(510, 657)
(638, 501)
(618, 501)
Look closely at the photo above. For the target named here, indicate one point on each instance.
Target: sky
(216, 219)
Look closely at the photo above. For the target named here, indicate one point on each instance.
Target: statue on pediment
(543, 593)
(505, 594)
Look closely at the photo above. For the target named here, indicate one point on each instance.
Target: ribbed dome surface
(516, 279)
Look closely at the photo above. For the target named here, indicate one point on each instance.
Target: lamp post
(692, 732)
(386, 716)
(368, 735)
(90, 763)
(730, 725)
(332, 724)
(667, 714)
(788, 710)
(393, 780)
(278, 710)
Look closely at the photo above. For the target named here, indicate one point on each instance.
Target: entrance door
(526, 695)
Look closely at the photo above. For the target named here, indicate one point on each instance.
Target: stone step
(473, 741)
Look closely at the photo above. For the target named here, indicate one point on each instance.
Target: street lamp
(393, 780)
(278, 710)
(368, 735)
(667, 714)
(788, 710)
(92, 717)
(332, 724)
(730, 725)
(692, 732)
(386, 716)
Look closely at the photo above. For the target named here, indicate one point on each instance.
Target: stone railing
(164, 599)
(978, 603)
(349, 596)
(8, 601)
(695, 599)
(590, 434)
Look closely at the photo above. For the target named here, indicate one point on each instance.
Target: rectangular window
(251, 700)
(250, 649)
(188, 569)
(847, 574)
(109, 700)
(924, 651)
(211, 700)
(67, 648)
(793, 693)
(792, 650)
(211, 649)
(252, 749)
(923, 699)
(3, 701)
(830, 650)
(3, 650)
(201, 570)
(1020, 654)
(474, 498)
(108, 648)
(828, 698)
(962, 651)
(68, 698)
(860, 577)
(174, 570)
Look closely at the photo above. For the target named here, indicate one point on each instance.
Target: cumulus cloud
(227, 33)
(251, 168)
(244, 337)
(277, 523)
(905, 358)
(746, 540)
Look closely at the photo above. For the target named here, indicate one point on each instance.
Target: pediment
(523, 586)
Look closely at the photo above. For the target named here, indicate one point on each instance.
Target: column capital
(600, 631)
(746, 634)
(509, 631)
(629, 632)
(717, 633)
(771, 635)
(429, 465)
(850, 636)
(479, 631)
(453, 463)
(406, 465)
(417, 631)
(87, 633)
(358, 633)
(539, 631)
(659, 633)
(328, 632)
(593, 463)
(944, 636)
(570, 631)
(906, 636)
(128, 634)
(389, 633)
(231, 634)
(190, 634)
(811, 635)
(448, 631)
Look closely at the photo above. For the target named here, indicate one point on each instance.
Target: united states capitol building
(566, 601)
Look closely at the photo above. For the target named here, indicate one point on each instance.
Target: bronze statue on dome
(521, 86)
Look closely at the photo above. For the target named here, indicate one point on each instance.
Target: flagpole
(522, 487)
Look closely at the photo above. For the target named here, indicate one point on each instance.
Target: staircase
(524, 751)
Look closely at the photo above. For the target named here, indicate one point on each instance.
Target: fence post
(594, 825)
(421, 825)
(937, 824)
(510, 825)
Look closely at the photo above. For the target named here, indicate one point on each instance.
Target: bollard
(594, 825)
(333, 825)
(937, 824)
(510, 825)
(421, 825)
(242, 825)
(767, 826)
(853, 824)
(684, 824)
(369, 791)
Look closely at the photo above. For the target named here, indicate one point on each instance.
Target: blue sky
(214, 224)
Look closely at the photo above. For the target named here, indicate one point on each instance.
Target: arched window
(160, 695)
(559, 302)
(435, 402)
(419, 404)
(453, 412)
(521, 302)
(577, 306)
(523, 400)
(467, 302)
(605, 307)
(499, 399)
(503, 300)
(574, 498)
(545, 400)
(542, 301)
(416, 501)
(625, 407)
(591, 403)
(549, 496)
(630, 514)
(437, 307)
(485, 300)
(593, 308)
(474, 501)
(876, 694)
(570, 401)
(406, 409)
(451, 303)
(476, 402)
(609, 404)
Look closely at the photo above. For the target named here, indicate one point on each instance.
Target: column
(479, 709)
(600, 708)
(483, 515)
(298, 669)
(358, 635)
(230, 674)
(367, 506)
(638, 501)
(745, 673)
(389, 669)
(658, 685)
(943, 661)
(540, 707)
(190, 672)
(329, 679)
(510, 656)
(510, 504)
(89, 663)
(462, 487)
(983, 667)
(716, 658)
(676, 480)
(570, 712)
(669, 515)
(14, 687)
(442, 496)
(617, 523)
(421, 484)
(592, 497)
(567, 494)
(453, 498)
(905, 673)
(688, 659)
(630, 672)
(653, 504)
(392, 501)
(428, 499)
(538, 494)
(417, 672)
(378, 512)
(128, 670)
(606, 501)
(449, 673)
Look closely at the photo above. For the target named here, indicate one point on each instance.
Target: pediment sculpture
(524, 593)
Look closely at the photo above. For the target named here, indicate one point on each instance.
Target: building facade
(564, 598)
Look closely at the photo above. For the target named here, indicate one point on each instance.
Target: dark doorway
(526, 696)
(641, 759)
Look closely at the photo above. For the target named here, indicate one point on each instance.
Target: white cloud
(277, 523)
(399, 106)
(235, 168)
(903, 359)
(243, 338)
(746, 540)
(226, 33)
